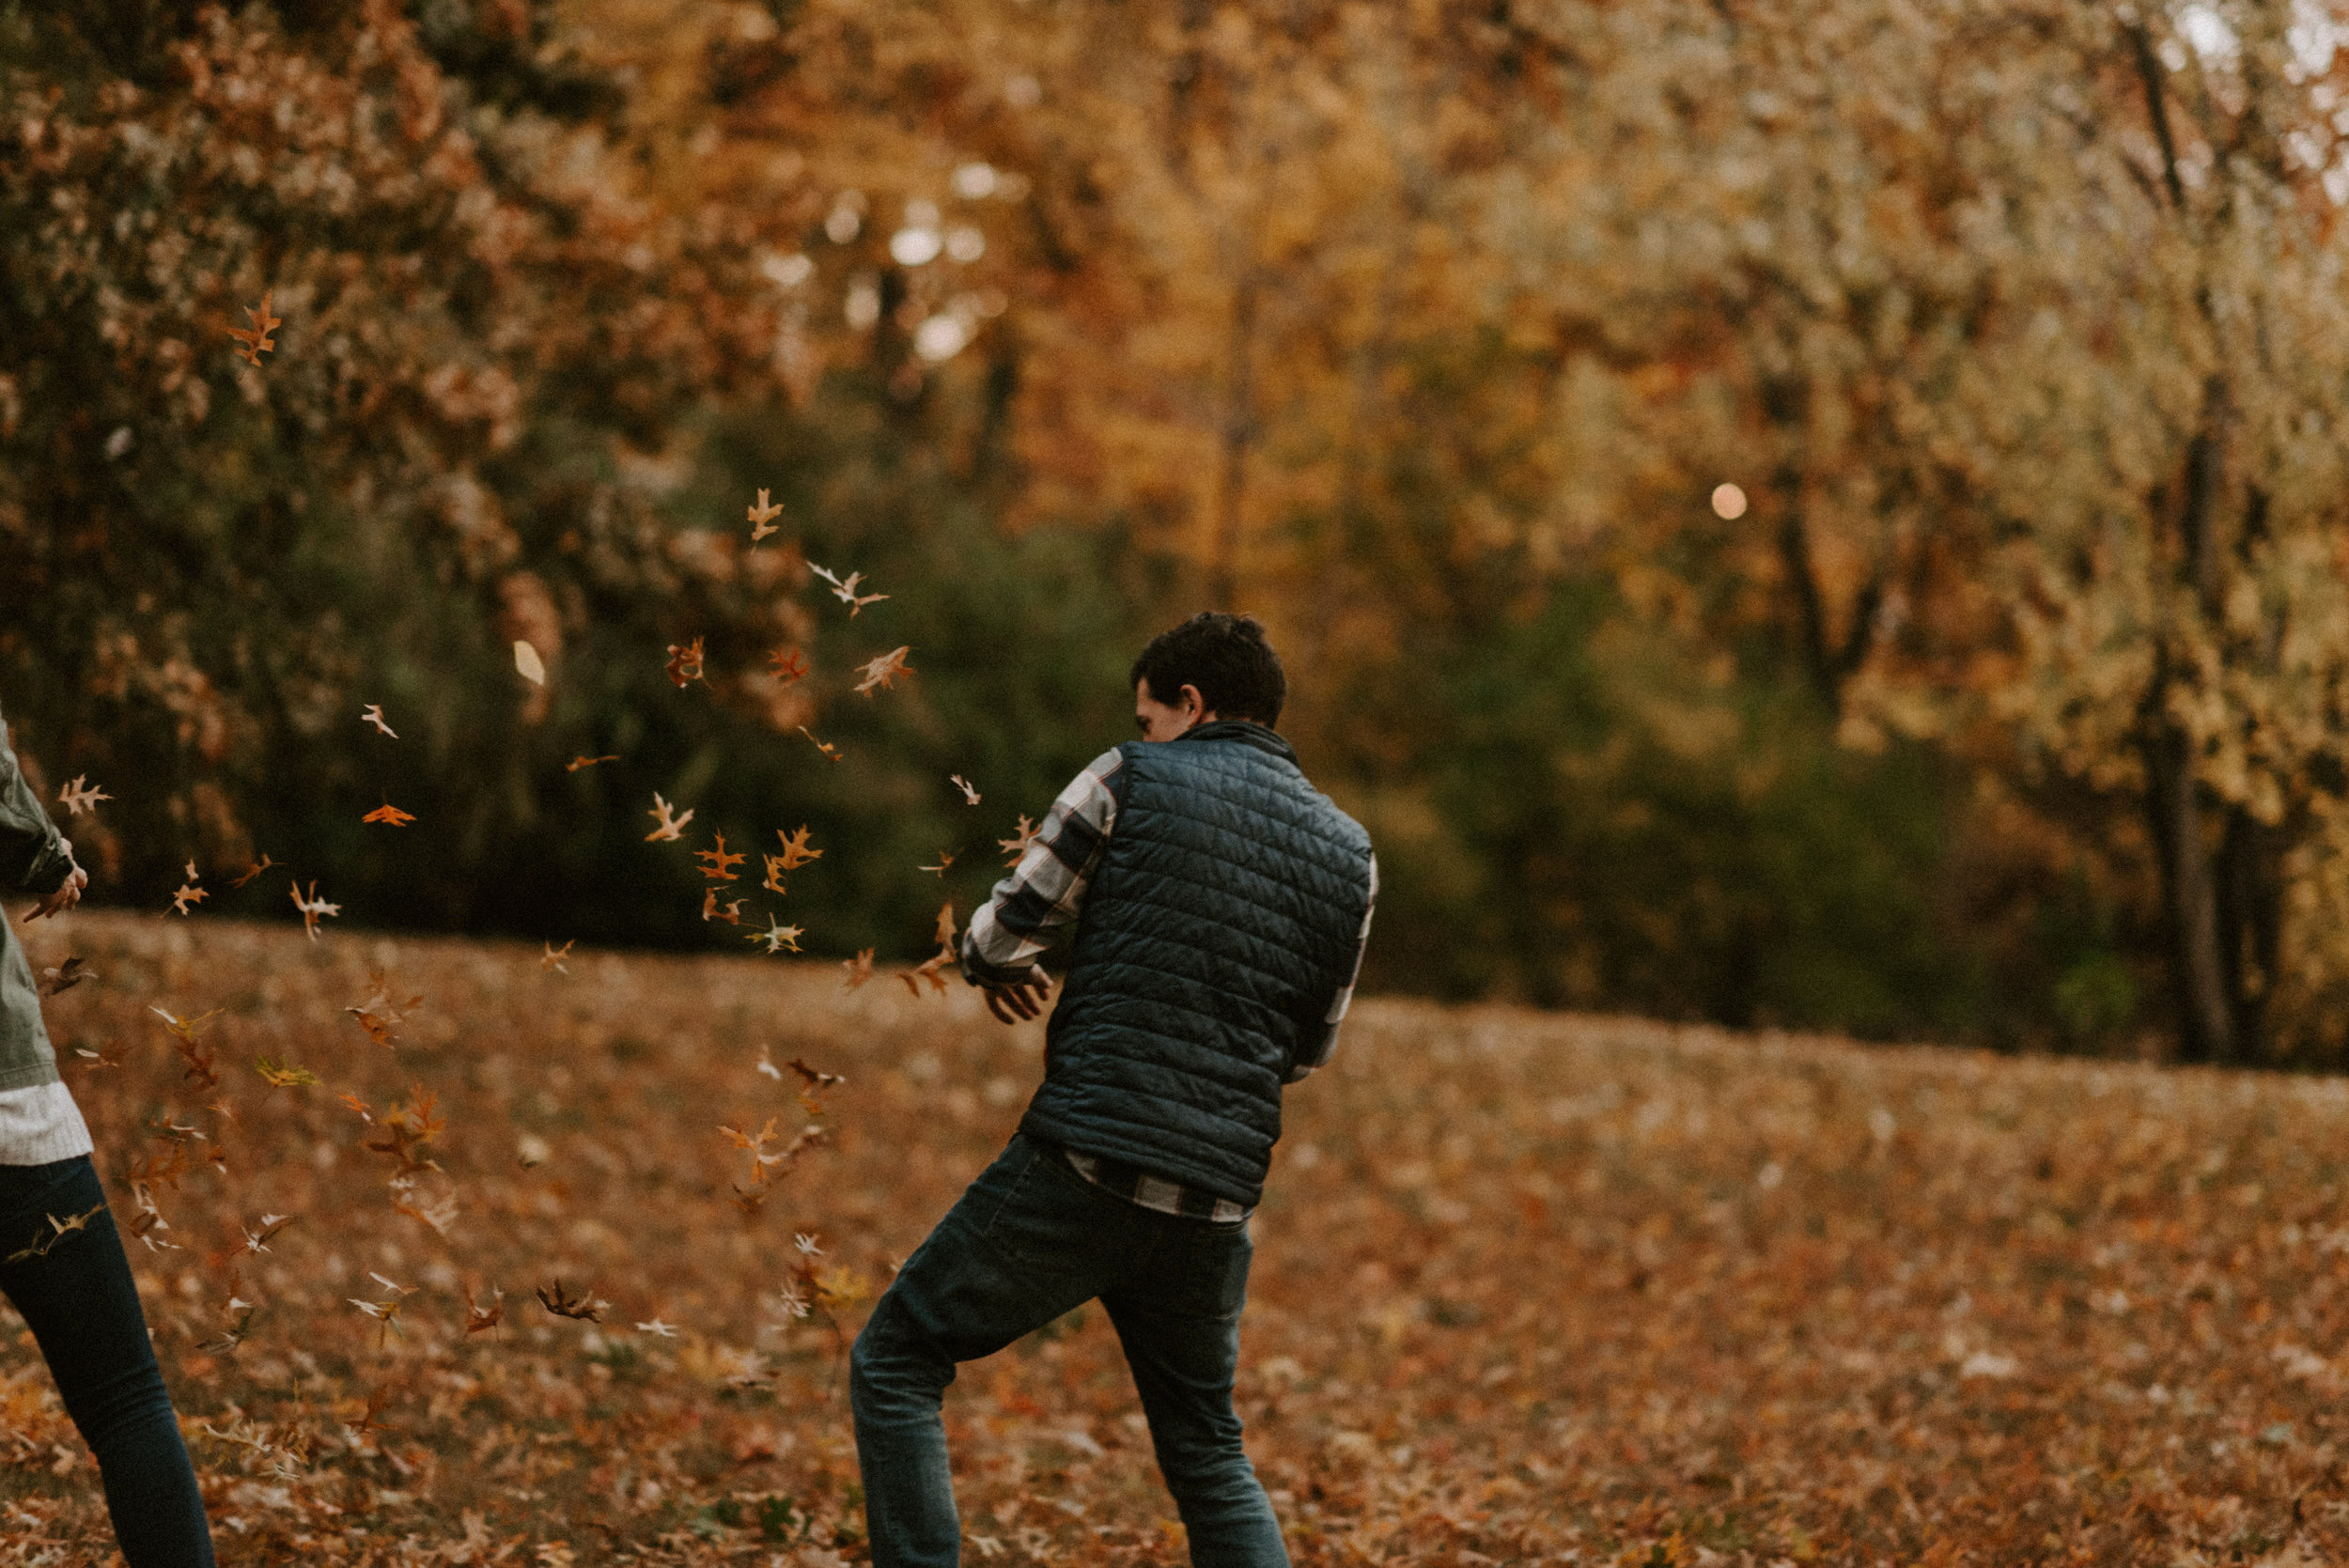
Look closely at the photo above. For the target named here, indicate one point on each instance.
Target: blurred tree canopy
(1827, 516)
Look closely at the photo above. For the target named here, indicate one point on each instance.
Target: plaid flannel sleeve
(1047, 889)
(1315, 1050)
(32, 860)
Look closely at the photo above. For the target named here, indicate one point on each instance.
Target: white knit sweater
(40, 1125)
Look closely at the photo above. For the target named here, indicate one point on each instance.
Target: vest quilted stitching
(1226, 911)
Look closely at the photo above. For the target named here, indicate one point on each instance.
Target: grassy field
(1529, 1288)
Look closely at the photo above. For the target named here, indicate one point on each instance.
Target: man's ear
(1193, 703)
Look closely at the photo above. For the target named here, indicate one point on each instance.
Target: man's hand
(68, 894)
(1021, 999)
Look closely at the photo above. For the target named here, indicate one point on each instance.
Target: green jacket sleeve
(31, 857)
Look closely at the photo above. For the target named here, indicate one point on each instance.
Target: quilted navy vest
(1224, 915)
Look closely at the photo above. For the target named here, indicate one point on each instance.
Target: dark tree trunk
(2206, 1011)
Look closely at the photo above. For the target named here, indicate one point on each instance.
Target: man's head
(1213, 666)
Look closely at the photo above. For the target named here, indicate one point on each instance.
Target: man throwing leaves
(1220, 905)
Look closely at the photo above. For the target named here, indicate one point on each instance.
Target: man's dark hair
(1226, 656)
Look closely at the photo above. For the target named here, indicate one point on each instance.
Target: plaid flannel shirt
(1046, 891)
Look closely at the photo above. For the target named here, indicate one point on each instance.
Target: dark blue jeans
(78, 1300)
(1031, 1240)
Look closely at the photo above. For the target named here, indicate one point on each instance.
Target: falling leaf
(778, 938)
(1017, 845)
(81, 796)
(824, 746)
(387, 1313)
(480, 1319)
(256, 338)
(819, 1081)
(582, 760)
(64, 977)
(561, 1304)
(731, 913)
(795, 852)
(183, 1028)
(857, 970)
(110, 1056)
(373, 714)
(669, 827)
(845, 591)
(390, 815)
(380, 1012)
(527, 662)
(774, 875)
(554, 957)
(253, 870)
(313, 908)
(767, 1065)
(666, 1330)
(932, 970)
(188, 893)
(789, 664)
(945, 858)
(883, 672)
(59, 1229)
(281, 1075)
(257, 1241)
(970, 790)
(685, 663)
(717, 864)
(762, 515)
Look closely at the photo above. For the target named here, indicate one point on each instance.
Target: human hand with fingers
(1022, 999)
(69, 893)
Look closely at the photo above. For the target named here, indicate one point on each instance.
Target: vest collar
(1246, 731)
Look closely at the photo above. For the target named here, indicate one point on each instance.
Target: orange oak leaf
(252, 870)
(390, 815)
(762, 514)
(824, 746)
(554, 957)
(774, 875)
(256, 338)
(731, 914)
(789, 664)
(795, 852)
(857, 970)
(717, 865)
(1016, 845)
(582, 760)
(188, 893)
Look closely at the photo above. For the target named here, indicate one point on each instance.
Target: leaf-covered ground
(1529, 1287)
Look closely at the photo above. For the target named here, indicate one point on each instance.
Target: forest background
(2002, 700)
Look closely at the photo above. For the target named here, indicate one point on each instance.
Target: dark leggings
(78, 1300)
